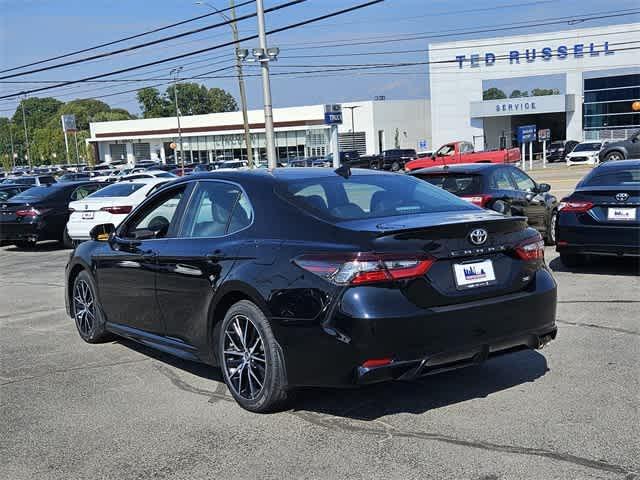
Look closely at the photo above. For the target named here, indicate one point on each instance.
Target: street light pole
(266, 89)
(26, 135)
(243, 95)
(353, 128)
(176, 71)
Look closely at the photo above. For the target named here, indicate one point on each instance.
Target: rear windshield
(117, 190)
(369, 196)
(612, 176)
(20, 180)
(456, 183)
(587, 147)
(35, 194)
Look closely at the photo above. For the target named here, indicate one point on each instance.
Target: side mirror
(543, 187)
(103, 232)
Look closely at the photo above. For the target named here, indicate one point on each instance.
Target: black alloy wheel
(395, 166)
(550, 236)
(250, 357)
(86, 310)
(66, 240)
(26, 244)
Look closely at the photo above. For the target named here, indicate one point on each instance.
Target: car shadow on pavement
(428, 393)
(376, 401)
(627, 266)
(51, 246)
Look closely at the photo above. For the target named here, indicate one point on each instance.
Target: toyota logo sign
(478, 236)
(622, 197)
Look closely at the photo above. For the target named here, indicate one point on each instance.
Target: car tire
(613, 156)
(87, 311)
(25, 244)
(550, 235)
(573, 259)
(66, 240)
(251, 360)
(501, 206)
(395, 166)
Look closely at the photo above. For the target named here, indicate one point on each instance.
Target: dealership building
(580, 84)
(369, 127)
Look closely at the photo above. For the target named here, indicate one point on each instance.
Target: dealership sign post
(333, 117)
(527, 134)
(69, 125)
(544, 134)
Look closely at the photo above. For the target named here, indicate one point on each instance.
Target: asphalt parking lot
(118, 410)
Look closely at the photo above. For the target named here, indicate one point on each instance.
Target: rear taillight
(576, 207)
(119, 210)
(531, 249)
(29, 212)
(478, 200)
(363, 268)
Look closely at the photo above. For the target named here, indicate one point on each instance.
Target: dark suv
(622, 150)
(395, 159)
(557, 151)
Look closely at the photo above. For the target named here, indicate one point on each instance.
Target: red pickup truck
(463, 152)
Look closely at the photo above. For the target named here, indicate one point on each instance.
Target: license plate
(474, 274)
(87, 215)
(622, 214)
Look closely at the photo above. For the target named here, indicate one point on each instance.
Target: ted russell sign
(530, 55)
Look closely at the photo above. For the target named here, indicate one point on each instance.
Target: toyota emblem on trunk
(622, 197)
(478, 236)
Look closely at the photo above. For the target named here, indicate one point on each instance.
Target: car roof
(619, 164)
(460, 168)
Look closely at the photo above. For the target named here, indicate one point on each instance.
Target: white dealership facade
(600, 70)
(299, 132)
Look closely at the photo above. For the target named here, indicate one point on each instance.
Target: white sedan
(110, 204)
(585, 153)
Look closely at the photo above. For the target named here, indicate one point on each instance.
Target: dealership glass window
(607, 108)
(632, 80)
(612, 121)
(629, 94)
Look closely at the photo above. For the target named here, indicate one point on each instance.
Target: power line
(215, 47)
(113, 42)
(153, 42)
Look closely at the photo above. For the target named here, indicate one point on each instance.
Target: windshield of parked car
(456, 183)
(587, 147)
(117, 190)
(369, 196)
(614, 176)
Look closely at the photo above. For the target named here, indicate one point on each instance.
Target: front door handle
(216, 256)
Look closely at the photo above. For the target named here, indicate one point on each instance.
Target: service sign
(68, 123)
(527, 133)
(333, 114)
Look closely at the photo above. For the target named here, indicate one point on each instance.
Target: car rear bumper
(20, 231)
(598, 239)
(425, 342)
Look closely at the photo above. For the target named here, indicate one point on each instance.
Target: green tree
(493, 94)
(37, 111)
(519, 94)
(111, 116)
(541, 92)
(193, 99)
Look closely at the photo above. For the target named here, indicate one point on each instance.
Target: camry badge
(622, 197)
(478, 236)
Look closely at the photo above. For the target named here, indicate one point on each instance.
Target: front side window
(522, 181)
(155, 218)
(216, 209)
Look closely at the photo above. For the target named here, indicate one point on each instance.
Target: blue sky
(31, 30)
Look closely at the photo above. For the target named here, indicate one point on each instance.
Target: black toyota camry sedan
(314, 277)
(503, 188)
(41, 213)
(601, 217)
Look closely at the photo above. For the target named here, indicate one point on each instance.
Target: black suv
(395, 159)
(557, 151)
(622, 150)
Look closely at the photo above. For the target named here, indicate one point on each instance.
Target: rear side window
(215, 209)
(369, 196)
(83, 191)
(500, 180)
(613, 176)
(118, 190)
(458, 184)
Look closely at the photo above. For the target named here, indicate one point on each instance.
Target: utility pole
(13, 150)
(353, 128)
(243, 95)
(176, 71)
(266, 88)
(26, 135)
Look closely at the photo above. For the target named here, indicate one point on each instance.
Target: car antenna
(344, 171)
